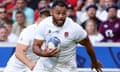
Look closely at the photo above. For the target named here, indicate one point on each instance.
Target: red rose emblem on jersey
(66, 34)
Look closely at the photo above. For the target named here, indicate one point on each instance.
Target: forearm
(22, 57)
(37, 47)
(37, 50)
(91, 53)
(89, 49)
(44, 53)
(20, 53)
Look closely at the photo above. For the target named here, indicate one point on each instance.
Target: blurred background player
(69, 33)
(24, 59)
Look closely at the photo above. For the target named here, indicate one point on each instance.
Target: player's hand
(97, 66)
(48, 52)
(31, 65)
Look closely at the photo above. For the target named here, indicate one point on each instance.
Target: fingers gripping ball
(53, 43)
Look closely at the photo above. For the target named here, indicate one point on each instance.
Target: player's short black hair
(45, 12)
(59, 3)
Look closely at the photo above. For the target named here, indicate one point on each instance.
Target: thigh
(43, 65)
(14, 69)
(64, 68)
(68, 66)
(14, 65)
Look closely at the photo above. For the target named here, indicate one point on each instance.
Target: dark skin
(95, 64)
(59, 15)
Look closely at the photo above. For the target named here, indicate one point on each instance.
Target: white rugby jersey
(69, 34)
(26, 38)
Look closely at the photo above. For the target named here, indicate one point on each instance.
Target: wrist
(42, 53)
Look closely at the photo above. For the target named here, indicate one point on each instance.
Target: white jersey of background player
(24, 59)
(69, 33)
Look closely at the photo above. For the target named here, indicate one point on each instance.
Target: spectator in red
(9, 5)
(3, 14)
(72, 2)
(77, 4)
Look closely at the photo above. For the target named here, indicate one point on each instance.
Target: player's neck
(57, 25)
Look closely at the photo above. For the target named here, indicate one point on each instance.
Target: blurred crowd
(100, 18)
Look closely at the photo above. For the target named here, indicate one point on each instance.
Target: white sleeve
(24, 38)
(80, 34)
(40, 32)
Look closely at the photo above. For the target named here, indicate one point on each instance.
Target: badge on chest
(66, 34)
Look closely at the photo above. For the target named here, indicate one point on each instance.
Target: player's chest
(66, 36)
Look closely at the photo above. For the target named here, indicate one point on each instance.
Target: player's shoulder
(73, 24)
(45, 21)
(29, 29)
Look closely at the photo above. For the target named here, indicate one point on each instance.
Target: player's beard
(59, 22)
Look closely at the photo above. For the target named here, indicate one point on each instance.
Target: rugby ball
(53, 42)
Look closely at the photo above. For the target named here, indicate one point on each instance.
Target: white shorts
(44, 65)
(14, 65)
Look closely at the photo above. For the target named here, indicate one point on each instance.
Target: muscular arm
(46, 52)
(95, 64)
(89, 49)
(20, 54)
(37, 47)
